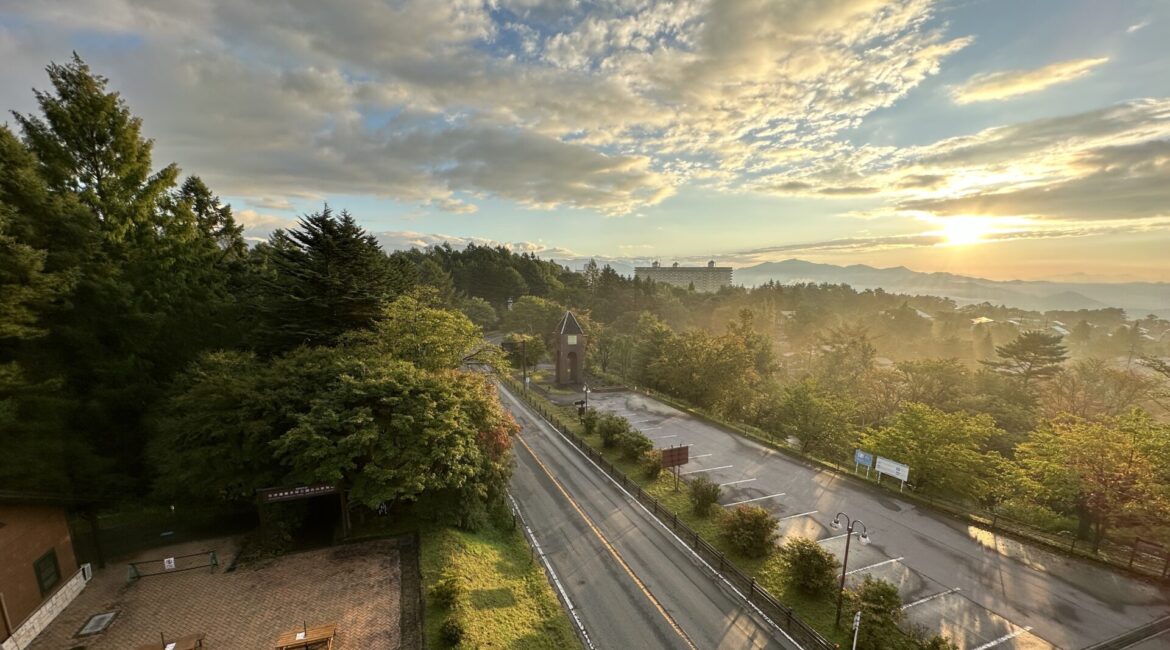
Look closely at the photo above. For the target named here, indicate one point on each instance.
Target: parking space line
(929, 598)
(663, 437)
(874, 566)
(701, 456)
(1006, 637)
(708, 469)
(746, 480)
(829, 539)
(803, 514)
(770, 496)
(650, 429)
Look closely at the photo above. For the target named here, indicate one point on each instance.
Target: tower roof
(569, 325)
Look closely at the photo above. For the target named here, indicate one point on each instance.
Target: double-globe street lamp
(864, 539)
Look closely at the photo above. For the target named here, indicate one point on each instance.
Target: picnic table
(189, 642)
(319, 637)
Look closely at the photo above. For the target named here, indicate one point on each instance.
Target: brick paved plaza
(355, 586)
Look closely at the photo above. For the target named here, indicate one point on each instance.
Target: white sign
(169, 563)
(890, 468)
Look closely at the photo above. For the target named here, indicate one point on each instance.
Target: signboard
(891, 468)
(675, 456)
(862, 458)
(169, 564)
(272, 495)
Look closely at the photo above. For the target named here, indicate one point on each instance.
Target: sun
(964, 231)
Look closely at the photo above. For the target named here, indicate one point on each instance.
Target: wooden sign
(676, 456)
(272, 495)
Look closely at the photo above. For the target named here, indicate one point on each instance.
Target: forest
(147, 351)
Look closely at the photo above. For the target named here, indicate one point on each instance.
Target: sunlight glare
(963, 231)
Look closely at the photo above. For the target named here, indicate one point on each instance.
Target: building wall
(703, 277)
(30, 531)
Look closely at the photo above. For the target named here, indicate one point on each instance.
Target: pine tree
(1033, 355)
(326, 277)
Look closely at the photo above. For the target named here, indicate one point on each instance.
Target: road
(631, 583)
(983, 590)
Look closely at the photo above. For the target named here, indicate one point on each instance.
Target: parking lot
(981, 590)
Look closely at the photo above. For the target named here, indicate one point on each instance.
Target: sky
(1004, 139)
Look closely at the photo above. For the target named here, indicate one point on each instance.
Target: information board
(863, 458)
(891, 468)
(675, 456)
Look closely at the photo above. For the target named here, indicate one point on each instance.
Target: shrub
(749, 530)
(447, 590)
(704, 494)
(634, 444)
(451, 632)
(809, 567)
(881, 609)
(589, 421)
(652, 463)
(611, 427)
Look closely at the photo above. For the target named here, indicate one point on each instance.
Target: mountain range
(1136, 298)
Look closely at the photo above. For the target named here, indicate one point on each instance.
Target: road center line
(746, 480)
(803, 514)
(609, 547)
(708, 469)
(770, 496)
(1006, 637)
(929, 598)
(874, 566)
(544, 423)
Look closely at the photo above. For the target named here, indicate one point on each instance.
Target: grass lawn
(768, 572)
(506, 602)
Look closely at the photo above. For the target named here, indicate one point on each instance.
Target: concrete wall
(30, 531)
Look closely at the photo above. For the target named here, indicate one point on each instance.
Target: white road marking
(929, 598)
(746, 480)
(1006, 637)
(651, 429)
(874, 566)
(664, 437)
(701, 456)
(803, 514)
(708, 469)
(770, 496)
(829, 539)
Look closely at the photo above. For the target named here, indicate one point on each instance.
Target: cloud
(598, 106)
(270, 203)
(257, 226)
(993, 86)
(1137, 26)
(392, 240)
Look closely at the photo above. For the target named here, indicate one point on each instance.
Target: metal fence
(779, 614)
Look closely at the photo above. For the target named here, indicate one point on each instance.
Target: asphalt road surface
(630, 582)
(984, 591)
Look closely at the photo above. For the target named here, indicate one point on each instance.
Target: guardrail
(778, 613)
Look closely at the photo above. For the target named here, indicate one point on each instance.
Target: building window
(48, 573)
(572, 339)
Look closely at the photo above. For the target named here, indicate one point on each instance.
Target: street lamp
(586, 386)
(864, 539)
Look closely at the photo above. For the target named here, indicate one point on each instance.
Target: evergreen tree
(325, 277)
(1033, 355)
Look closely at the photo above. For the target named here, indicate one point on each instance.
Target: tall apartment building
(703, 278)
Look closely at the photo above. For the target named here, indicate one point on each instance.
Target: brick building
(570, 350)
(39, 573)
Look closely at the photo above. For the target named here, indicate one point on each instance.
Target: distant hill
(1136, 298)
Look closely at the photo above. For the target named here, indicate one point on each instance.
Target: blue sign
(863, 458)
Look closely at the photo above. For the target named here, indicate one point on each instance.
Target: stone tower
(570, 350)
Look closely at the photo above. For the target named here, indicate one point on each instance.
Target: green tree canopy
(1032, 356)
(326, 277)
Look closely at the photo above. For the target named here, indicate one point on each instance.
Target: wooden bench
(319, 637)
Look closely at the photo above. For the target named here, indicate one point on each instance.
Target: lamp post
(586, 397)
(864, 539)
